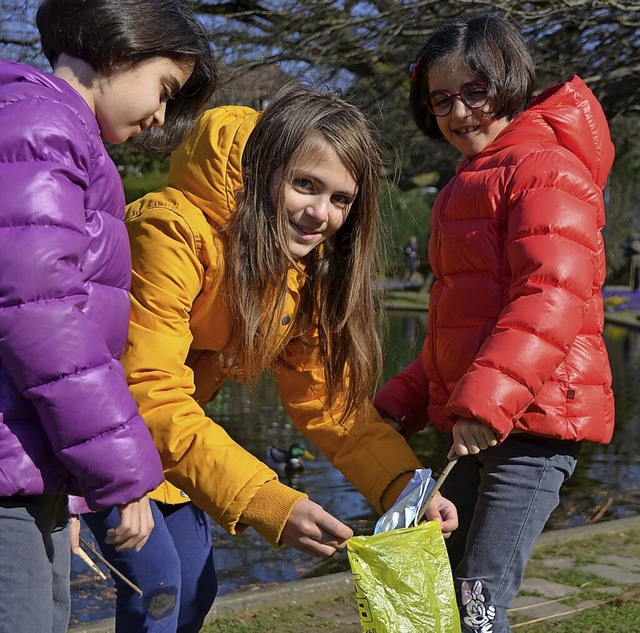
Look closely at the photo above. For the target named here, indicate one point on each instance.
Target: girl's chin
(298, 250)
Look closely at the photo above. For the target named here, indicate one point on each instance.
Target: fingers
(319, 544)
(74, 526)
(136, 523)
(471, 436)
(312, 530)
(443, 510)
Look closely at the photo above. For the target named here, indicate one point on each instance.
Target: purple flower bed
(620, 298)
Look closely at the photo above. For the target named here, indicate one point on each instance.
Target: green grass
(323, 617)
(622, 615)
(406, 300)
(584, 550)
(616, 613)
(271, 621)
(137, 186)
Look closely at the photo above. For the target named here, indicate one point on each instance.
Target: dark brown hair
(123, 33)
(493, 50)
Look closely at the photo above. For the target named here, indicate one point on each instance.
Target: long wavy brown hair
(337, 295)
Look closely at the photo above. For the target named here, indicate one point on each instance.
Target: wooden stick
(443, 475)
(84, 557)
(559, 615)
(120, 575)
(601, 512)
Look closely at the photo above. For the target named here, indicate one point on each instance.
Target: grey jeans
(504, 496)
(34, 564)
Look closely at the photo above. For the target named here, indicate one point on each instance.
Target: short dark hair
(493, 49)
(123, 33)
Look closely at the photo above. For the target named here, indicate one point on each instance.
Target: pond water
(606, 484)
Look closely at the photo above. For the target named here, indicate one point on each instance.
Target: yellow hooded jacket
(179, 320)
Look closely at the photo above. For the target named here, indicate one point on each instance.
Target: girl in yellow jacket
(258, 255)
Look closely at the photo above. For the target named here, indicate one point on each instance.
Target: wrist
(269, 510)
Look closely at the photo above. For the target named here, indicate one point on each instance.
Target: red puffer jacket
(516, 313)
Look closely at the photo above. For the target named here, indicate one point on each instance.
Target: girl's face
(317, 200)
(130, 101)
(469, 130)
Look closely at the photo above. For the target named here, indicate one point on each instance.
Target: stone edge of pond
(297, 593)
(312, 590)
(420, 303)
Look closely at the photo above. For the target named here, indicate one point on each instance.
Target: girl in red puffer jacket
(514, 365)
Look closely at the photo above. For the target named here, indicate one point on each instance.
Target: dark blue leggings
(174, 569)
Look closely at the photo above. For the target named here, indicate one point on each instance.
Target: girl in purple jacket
(68, 424)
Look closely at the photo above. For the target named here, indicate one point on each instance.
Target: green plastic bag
(403, 581)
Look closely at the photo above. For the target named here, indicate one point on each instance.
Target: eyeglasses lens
(473, 94)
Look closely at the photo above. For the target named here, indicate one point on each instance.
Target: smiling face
(469, 130)
(317, 199)
(130, 101)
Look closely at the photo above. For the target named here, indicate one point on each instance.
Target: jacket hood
(567, 114)
(206, 169)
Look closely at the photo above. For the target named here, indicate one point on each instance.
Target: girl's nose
(319, 209)
(158, 115)
(459, 108)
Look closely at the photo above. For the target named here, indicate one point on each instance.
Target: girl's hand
(313, 531)
(75, 533)
(443, 510)
(470, 437)
(136, 523)
(394, 424)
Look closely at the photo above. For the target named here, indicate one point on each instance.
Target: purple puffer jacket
(68, 422)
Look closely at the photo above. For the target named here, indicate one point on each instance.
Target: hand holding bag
(402, 574)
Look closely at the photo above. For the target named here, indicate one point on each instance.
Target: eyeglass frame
(452, 96)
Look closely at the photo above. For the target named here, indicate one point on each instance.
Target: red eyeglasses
(474, 94)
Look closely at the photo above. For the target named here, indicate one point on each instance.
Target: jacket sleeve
(198, 456)
(405, 398)
(553, 245)
(368, 452)
(56, 355)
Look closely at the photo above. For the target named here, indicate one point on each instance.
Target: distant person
(514, 365)
(411, 257)
(258, 255)
(632, 249)
(68, 422)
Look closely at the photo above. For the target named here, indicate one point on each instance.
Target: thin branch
(100, 557)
